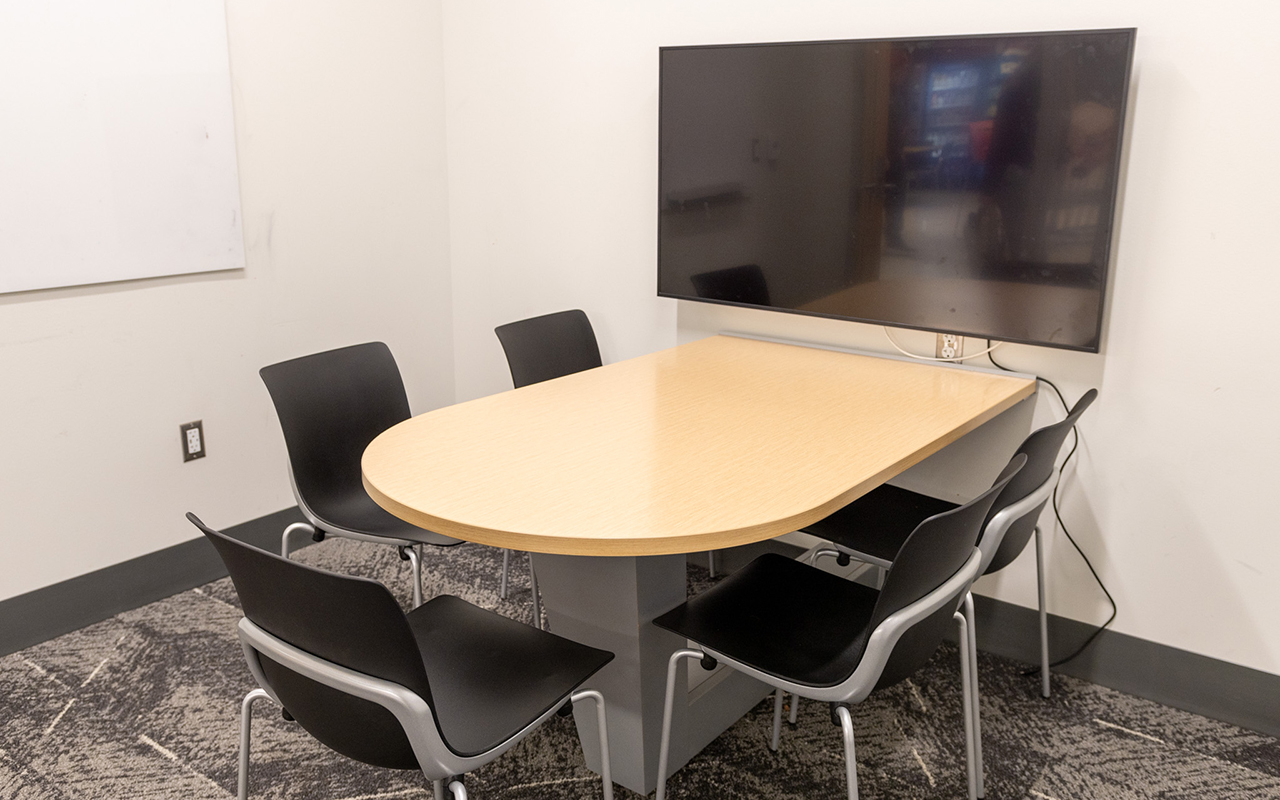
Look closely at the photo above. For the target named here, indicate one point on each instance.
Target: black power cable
(1075, 443)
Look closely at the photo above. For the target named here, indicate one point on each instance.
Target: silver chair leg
(537, 600)
(437, 790)
(287, 538)
(795, 708)
(777, 719)
(246, 719)
(458, 791)
(664, 748)
(506, 569)
(977, 697)
(966, 690)
(414, 556)
(850, 752)
(606, 774)
(1044, 615)
(711, 562)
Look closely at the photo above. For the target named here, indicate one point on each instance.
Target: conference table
(609, 477)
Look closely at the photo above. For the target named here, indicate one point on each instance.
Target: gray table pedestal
(610, 603)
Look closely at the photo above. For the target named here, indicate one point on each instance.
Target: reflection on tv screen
(959, 184)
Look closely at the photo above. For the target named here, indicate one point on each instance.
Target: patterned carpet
(146, 705)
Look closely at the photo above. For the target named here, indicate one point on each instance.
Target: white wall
(551, 114)
(340, 134)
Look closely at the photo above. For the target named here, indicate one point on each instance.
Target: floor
(146, 705)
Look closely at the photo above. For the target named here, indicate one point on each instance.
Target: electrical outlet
(192, 440)
(950, 346)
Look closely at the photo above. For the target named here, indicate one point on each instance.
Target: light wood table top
(712, 444)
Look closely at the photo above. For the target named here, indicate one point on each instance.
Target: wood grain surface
(711, 444)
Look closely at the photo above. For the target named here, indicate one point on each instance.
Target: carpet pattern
(146, 705)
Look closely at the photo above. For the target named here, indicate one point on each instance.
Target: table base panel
(610, 603)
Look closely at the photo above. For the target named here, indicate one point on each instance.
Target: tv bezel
(1107, 262)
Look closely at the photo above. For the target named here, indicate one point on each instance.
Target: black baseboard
(1217, 689)
(1239, 695)
(51, 611)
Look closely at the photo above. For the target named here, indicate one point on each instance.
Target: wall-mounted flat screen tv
(960, 184)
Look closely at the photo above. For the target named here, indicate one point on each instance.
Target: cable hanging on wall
(1057, 513)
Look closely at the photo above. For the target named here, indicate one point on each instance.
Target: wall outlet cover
(950, 347)
(192, 440)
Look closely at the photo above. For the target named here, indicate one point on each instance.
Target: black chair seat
(880, 521)
(783, 618)
(491, 676)
(358, 513)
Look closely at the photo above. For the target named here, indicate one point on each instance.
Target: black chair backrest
(935, 550)
(744, 284)
(331, 405)
(551, 346)
(1041, 449)
(350, 621)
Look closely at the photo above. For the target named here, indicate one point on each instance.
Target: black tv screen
(962, 184)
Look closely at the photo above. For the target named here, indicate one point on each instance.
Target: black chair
(817, 635)
(539, 349)
(331, 405)
(872, 529)
(551, 346)
(445, 689)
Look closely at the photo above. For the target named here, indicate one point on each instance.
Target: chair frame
(410, 550)
(506, 551)
(988, 546)
(439, 764)
(861, 681)
(533, 585)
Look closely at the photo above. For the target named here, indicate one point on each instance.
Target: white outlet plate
(949, 346)
(192, 440)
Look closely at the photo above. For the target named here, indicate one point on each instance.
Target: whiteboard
(117, 145)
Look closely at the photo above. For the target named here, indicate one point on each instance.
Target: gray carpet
(146, 705)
